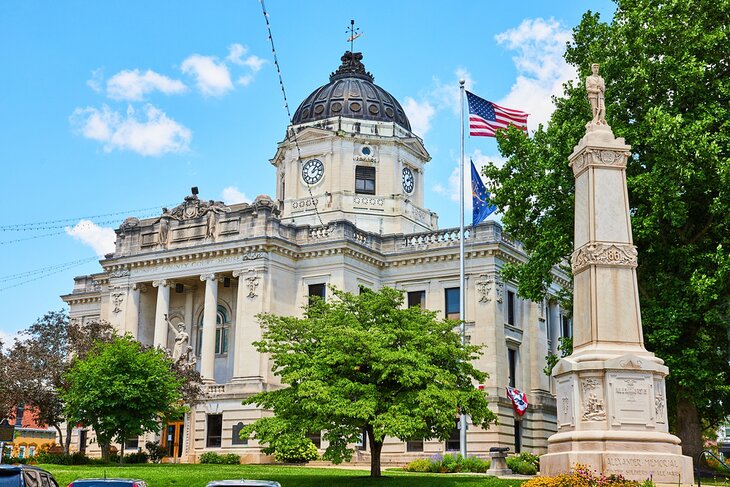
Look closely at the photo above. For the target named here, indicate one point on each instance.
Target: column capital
(140, 286)
(209, 277)
(161, 283)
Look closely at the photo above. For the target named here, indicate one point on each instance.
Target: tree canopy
(42, 357)
(362, 365)
(122, 389)
(668, 94)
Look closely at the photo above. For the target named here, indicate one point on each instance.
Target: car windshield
(9, 478)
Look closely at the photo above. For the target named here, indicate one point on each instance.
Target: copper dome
(351, 93)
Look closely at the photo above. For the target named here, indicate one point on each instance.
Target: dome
(351, 93)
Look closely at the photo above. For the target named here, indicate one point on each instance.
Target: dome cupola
(351, 93)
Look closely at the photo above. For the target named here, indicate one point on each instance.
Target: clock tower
(349, 154)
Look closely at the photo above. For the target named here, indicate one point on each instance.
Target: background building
(349, 212)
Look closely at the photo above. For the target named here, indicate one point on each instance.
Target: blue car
(108, 483)
(25, 476)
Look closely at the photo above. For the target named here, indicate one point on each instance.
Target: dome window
(318, 109)
(336, 106)
(373, 109)
(355, 106)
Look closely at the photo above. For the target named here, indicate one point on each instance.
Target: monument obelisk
(611, 400)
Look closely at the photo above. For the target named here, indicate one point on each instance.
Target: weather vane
(354, 34)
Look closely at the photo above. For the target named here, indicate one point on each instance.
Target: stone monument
(611, 400)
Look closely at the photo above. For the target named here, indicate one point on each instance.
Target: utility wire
(46, 274)
(50, 224)
(286, 104)
(43, 270)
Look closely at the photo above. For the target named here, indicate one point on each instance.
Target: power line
(286, 105)
(50, 224)
(42, 270)
(46, 274)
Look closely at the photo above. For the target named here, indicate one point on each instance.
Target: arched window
(222, 322)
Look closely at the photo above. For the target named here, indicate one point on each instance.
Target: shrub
(448, 464)
(218, 459)
(295, 450)
(419, 465)
(155, 451)
(76, 458)
(524, 463)
(137, 457)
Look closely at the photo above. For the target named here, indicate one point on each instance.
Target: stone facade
(214, 267)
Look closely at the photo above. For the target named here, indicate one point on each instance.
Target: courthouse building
(348, 212)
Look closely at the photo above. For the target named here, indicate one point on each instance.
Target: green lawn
(199, 475)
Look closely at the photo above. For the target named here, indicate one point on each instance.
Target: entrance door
(173, 439)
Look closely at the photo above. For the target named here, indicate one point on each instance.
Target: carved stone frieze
(498, 288)
(598, 253)
(117, 299)
(484, 288)
(120, 273)
(600, 157)
(593, 408)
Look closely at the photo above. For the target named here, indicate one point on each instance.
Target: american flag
(486, 117)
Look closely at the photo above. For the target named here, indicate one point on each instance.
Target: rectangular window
(215, 431)
(566, 329)
(364, 180)
(316, 438)
(221, 340)
(236, 438)
(19, 416)
(452, 299)
(453, 443)
(417, 298)
(362, 445)
(512, 360)
(414, 445)
(317, 290)
(131, 443)
(510, 308)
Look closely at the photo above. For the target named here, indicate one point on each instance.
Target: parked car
(25, 476)
(108, 483)
(243, 483)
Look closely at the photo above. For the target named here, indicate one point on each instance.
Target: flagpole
(462, 290)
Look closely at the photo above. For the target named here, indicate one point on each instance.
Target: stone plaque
(631, 398)
(189, 232)
(228, 227)
(640, 467)
(565, 394)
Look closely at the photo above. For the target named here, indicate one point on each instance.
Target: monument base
(634, 458)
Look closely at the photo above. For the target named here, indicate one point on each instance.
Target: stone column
(247, 360)
(163, 307)
(611, 399)
(131, 312)
(210, 312)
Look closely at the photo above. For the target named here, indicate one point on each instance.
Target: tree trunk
(67, 445)
(689, 429)
(121, 453)
(105, 447)
(375, 448)
(60, 438)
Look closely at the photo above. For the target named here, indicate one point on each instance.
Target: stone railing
(444, 237)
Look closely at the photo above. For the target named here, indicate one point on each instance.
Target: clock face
(312, 171)
(408, 180)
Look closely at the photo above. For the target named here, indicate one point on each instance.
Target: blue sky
(115, 109)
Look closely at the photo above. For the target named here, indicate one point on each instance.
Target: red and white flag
(485, 117)
(519, 400)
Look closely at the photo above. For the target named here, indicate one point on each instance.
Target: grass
(288, 476)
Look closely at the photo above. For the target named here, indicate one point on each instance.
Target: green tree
(668, 93)
(122, 389)
(363, 365)
(42, 357)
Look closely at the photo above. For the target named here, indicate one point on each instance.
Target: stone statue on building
(214, 210)
(164, 230)
(596, 87)
(181, 340)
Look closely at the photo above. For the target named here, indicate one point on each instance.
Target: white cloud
(448, 96)
(236, 53)
(540, 45)
(245, 80)
(232, 195)
(97, 77)
(8, 339)
(100, 239)
(419, 114)
(212, 77)
(133, 85)
(153, 134)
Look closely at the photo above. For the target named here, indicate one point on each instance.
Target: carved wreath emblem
(604, 254)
